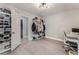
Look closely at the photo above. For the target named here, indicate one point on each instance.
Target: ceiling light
(43, 5)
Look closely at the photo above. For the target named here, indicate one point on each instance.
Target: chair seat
(72, 37)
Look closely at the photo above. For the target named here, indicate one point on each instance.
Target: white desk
(71, 34)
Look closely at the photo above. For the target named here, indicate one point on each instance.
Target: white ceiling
(53, 7)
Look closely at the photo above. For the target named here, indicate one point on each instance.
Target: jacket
(33, 27)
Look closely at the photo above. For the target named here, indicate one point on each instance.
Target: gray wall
(57, 23)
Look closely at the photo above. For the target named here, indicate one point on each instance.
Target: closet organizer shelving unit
(5, 30)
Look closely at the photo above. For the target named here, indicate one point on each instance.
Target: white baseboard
(55, 38)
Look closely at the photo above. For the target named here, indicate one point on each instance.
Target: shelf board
(4, 13)
(4, 50)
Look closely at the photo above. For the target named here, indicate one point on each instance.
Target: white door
(25, 27)
(15, 23)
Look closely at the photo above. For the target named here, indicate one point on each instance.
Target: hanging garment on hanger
(33, 27)
(41, 27)
(34, 30)
(43, 30)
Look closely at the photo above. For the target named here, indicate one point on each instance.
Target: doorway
(24, 27)
(21, 24)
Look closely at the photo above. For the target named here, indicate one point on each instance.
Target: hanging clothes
(38, 28)
(43, 30)
(33, 27)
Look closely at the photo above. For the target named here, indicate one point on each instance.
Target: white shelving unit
(13, 27)
(5, 30)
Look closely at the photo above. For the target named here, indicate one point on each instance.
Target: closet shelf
(4, 50)
(5, 31)
(4, 13)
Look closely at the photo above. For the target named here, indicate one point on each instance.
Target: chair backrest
(65, 37)
(68, 38)
(65, 34)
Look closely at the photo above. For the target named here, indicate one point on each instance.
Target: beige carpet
(39, 47)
